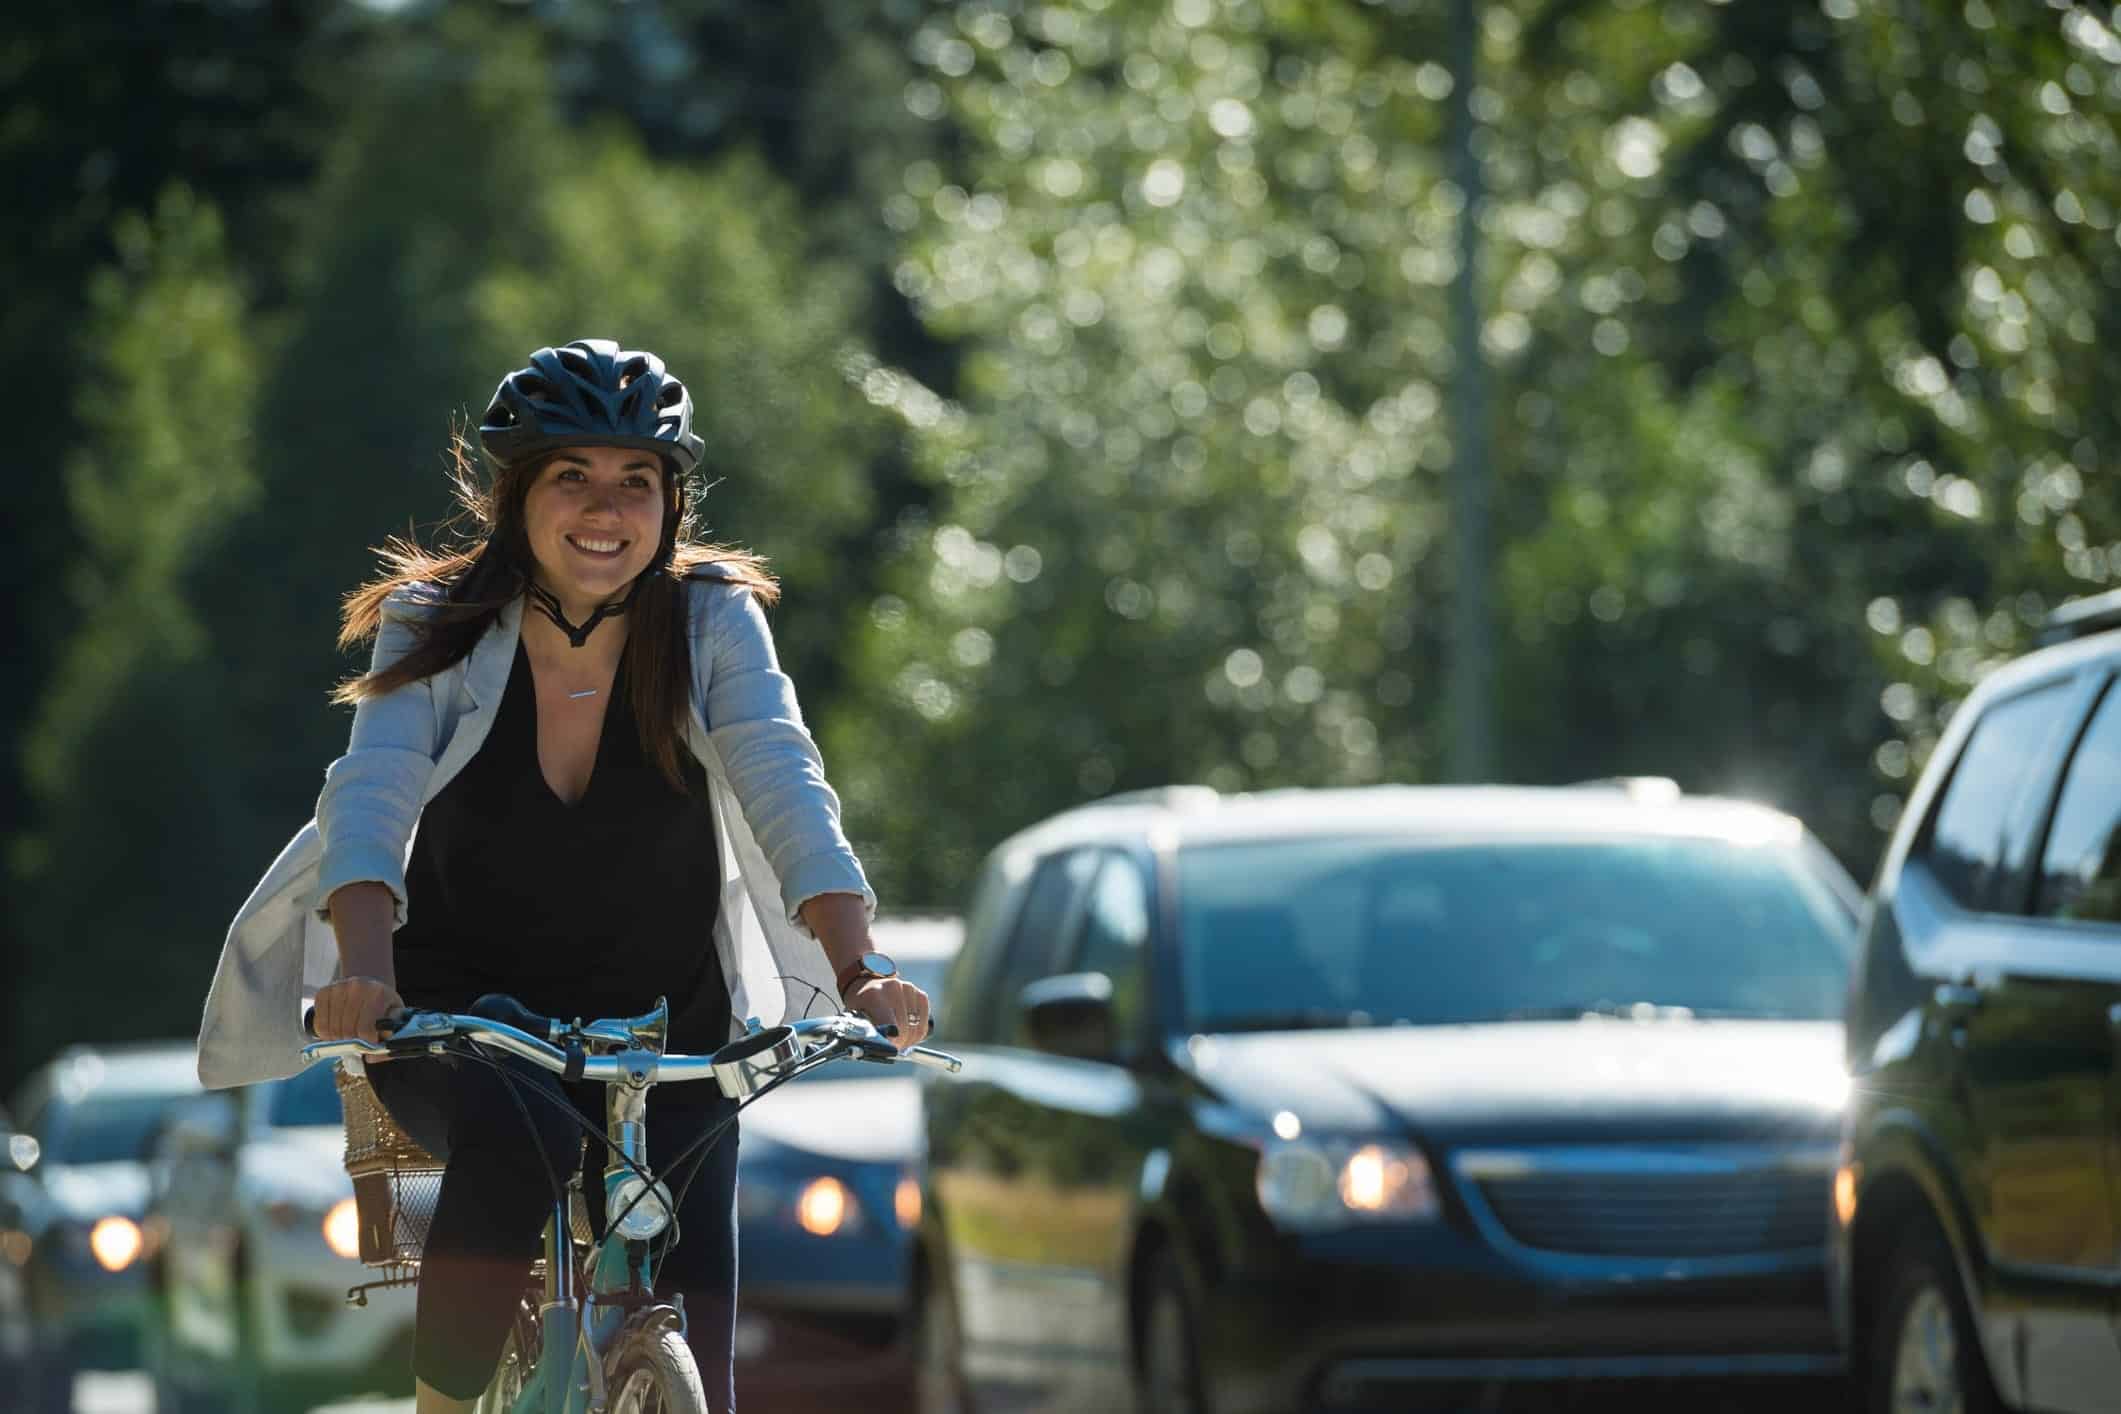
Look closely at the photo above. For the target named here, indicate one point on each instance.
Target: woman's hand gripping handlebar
(744, 1067)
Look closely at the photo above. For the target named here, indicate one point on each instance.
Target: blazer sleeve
(773, 765)
(372, 795)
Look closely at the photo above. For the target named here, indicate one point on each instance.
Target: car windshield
(106, 1128)
(310, 1097)
(925, 973)
(1291, 934)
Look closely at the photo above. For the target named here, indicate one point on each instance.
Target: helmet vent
(672, 394)
(531, 386)
(634, 368)
(574, 363)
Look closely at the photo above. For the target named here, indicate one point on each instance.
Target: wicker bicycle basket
(395, 1181)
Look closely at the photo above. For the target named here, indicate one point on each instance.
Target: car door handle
(1956, 996)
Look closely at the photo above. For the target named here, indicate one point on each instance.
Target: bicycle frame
(564, 1344)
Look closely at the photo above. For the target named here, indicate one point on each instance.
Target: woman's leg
(494, 1201)
(429, 1400)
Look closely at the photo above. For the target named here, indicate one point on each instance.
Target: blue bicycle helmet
(590, 392)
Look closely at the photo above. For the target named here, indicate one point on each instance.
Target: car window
(1034, 943)
(1979, 842)
(1331, 932)
(2080, 870)
(1114, 940)
(103, 1128)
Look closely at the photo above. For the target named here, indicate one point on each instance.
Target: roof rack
(2079, 618)
(1649, 790)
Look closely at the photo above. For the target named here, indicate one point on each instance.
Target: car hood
(1555, 1081)
(871, 1120)
(88, 1191)
(305, 1164)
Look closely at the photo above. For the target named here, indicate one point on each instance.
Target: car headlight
(342, 1229)
(826, 1206)
(114, 1242)
(1327, 1183)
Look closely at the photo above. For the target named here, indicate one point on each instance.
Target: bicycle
(594, 1316)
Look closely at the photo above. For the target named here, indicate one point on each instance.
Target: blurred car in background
(828, 1196)
(255, 1244)
(1340, 1099)
(73, 1228)
(1977, 1247)
(18, 1154)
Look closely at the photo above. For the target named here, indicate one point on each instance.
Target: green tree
(114, 757)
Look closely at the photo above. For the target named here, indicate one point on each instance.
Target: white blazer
(777, 827)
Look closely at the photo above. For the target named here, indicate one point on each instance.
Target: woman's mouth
(597, 547)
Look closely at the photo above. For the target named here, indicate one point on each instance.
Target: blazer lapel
(485, 680)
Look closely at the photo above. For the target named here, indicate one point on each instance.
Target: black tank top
(585, 910)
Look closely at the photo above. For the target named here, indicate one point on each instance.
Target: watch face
(877, 965)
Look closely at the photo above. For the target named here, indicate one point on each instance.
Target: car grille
(1681, 1204)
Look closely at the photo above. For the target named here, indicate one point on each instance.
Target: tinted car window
(2080, 871)
(308, 1098)
(102, 1129)
(1980, 839)
(1339, 931)
(1114, 940)
(1034, 944)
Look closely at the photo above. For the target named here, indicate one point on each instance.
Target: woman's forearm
(362, 917)
(841, 923)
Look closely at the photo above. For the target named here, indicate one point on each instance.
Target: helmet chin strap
(548, 604)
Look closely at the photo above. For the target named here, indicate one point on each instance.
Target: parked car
(18, 1154)
(828, 1197)
(1977, 1247)
(87, 1116)
(1324, 1099)
(255, 1247)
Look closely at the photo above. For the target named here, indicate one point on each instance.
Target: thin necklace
(585, 692)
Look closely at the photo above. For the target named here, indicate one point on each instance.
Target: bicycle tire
(653, 1372)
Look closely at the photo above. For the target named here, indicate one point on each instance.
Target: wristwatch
(868, 966)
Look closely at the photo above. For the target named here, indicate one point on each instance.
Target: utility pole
(1472, 662)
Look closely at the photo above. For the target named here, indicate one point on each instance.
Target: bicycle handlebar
(738, 1068)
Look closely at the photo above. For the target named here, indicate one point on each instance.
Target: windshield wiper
(1295, 1019)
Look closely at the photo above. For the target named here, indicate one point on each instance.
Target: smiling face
(594, 517)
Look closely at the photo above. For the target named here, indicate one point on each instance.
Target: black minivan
(1977, 1243)
(1333, 1099)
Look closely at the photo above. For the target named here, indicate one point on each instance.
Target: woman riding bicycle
(577, 722)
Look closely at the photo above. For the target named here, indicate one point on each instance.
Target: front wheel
(1925, 1354)
(1169, 1372)
(938, 1351)
(654, 1373)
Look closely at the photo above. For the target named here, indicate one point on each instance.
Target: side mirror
(1070, 1015)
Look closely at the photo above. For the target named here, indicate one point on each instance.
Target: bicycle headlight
(646, 1212)
(1326, 1183)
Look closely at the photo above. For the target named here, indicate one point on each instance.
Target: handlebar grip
(384, 1024)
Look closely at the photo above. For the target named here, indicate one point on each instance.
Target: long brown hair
(488, 567)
